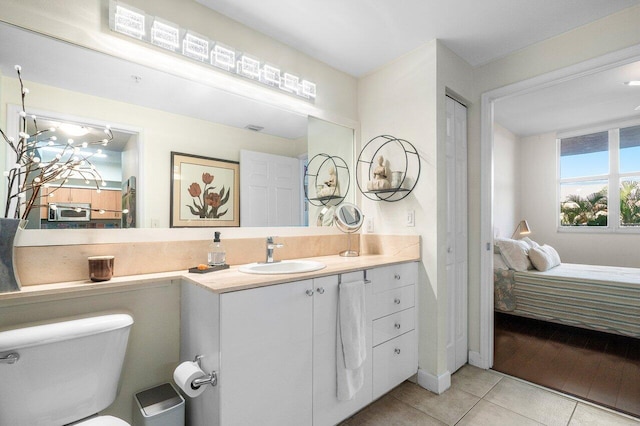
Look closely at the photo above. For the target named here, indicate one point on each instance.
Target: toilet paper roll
(185, 374)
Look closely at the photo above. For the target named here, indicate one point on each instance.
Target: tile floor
(481, 397)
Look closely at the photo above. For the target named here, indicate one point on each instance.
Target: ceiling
(578, 103)
(358, 36)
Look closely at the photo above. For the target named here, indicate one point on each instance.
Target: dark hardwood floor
(599, 367)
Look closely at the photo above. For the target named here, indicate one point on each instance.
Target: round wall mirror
(348, 218)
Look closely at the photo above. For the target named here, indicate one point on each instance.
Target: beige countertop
(219, 281)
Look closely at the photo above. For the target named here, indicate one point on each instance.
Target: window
(599, 179)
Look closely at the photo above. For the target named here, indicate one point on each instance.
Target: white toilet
(62, 373)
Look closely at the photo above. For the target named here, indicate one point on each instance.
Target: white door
(327, 410)
(269, 190)
(266, 355)
(456, 260)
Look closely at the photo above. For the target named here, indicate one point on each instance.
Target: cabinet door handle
(309, 292)
(396, 301)
(397, 351)
(320, 290)
(396, 276)
(397, 326)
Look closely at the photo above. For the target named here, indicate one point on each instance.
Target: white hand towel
(351, 348)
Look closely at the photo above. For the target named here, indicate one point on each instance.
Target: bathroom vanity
(274, 346)
(179, 315)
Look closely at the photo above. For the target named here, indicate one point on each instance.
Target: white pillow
(544, 257)
(515, 254)
(498, 262)
(530, 242)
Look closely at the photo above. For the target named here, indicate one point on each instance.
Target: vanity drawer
(393, 325)
(394, 276)
(392, 301)
(394, 362)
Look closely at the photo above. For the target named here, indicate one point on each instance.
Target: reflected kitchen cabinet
(63, 195)
(106, 200)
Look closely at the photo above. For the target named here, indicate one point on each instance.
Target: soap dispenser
(217, 255)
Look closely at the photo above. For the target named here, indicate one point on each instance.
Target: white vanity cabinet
(327, 410)
(274, 348)
(266, 343)
(278, 355)
(395, 348)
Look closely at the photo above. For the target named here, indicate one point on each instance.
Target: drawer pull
(397, 326)
(320, 290)
(396, 301)
(397, 351)
(396, 276)
(309, 292)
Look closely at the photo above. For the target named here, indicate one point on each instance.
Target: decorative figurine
(380, 177)
(331, 185)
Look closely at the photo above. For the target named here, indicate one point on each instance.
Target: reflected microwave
(69, 212)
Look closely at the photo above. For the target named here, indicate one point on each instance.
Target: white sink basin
(283, 267)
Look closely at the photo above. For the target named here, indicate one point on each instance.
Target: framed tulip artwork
(204, 191)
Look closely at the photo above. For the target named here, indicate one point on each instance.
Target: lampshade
(521, 229)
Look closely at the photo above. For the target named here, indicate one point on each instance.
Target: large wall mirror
(154, 113)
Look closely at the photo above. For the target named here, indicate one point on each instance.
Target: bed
(603, 298)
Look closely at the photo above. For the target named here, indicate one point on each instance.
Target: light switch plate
(369, 225)
(411, 218)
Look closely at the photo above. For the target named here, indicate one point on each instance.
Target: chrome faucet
(270, 246)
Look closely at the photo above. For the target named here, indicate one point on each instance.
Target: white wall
(506, 182)
(406, 99)
(606, 35)
(539, 206)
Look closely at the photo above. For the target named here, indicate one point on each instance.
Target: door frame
(484, 359)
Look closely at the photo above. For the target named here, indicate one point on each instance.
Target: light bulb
(70, 141)
(22, 114)
(84, 144)
(125, 211)
(17, 68)
(101, 211)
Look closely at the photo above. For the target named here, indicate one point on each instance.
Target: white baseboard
(475, 359)
(435, 384)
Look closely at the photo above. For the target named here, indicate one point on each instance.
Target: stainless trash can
(160, 405)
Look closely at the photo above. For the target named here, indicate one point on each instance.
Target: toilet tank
(66, 370)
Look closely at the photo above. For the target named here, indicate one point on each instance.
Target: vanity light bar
(136, 23)
(129, 21)
(223, 57)
(249, 67)
(195, 47)
(165, 35)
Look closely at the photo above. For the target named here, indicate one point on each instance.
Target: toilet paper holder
(207, 379)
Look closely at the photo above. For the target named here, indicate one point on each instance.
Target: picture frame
(205, 192)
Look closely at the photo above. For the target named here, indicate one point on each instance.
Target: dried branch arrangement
(30, 173)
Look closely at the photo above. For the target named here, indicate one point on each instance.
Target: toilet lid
(103, 421)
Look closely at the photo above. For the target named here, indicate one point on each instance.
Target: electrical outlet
(411, 218)
(368, 225)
